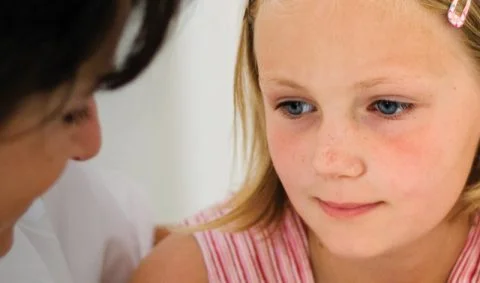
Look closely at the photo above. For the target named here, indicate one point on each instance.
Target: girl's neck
(430, 259)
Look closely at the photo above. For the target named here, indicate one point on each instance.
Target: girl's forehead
(406, 11)
(357, 27)
(340, 16)
(348, 42)
(390, 7)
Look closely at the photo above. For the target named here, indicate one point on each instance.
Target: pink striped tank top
(283, 257)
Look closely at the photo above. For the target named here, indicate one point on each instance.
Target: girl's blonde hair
(261, 200)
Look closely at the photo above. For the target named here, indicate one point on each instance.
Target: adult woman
(55, 54)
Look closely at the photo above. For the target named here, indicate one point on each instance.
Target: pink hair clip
(455, 19)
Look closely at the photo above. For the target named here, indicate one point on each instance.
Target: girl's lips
(346, 210)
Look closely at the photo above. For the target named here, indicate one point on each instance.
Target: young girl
(362, 120)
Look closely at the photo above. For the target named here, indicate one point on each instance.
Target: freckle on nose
(329, 156)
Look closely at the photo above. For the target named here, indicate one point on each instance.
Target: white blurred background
(172, 130)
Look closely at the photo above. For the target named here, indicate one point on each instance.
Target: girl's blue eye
(296, 108)
(390, 108)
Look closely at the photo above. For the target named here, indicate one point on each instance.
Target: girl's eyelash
(77, 116)
(385, 108)
(295, 109)
(399, 108)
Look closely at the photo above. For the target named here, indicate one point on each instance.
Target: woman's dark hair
(44, 42)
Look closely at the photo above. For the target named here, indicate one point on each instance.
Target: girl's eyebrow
(282, 82)
(361, 85)
(372, 82)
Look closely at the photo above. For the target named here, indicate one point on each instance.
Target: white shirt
(92, 226)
